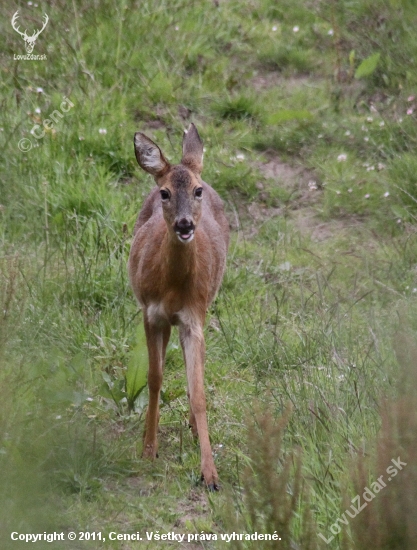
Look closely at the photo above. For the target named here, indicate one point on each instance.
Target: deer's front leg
(157, 338)
(191, 421)
(192, 341)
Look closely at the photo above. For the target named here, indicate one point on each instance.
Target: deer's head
(180, 185)
(29, 40)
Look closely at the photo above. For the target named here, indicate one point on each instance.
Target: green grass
(317, 283)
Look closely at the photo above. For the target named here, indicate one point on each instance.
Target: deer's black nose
(184, 226)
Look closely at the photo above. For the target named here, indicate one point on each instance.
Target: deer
(176, 266)
(29, 40)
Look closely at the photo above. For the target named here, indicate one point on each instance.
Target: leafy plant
(368, 66)
(137, 368)
(129, 387)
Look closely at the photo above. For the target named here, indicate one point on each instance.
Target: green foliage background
(323, 255)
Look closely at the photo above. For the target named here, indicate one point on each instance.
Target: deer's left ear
(149, 156)
(192, 150)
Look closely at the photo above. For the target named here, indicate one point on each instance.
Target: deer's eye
(198, 192)
(165, 194)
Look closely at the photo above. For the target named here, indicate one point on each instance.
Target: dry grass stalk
(388, 521)
(272, 486)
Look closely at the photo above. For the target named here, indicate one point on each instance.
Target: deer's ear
(149, 155)
(192, 150)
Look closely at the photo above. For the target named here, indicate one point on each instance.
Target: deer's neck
(180, 259)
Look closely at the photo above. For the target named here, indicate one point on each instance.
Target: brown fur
(176, 281)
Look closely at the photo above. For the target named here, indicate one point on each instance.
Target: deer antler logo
(29, 40)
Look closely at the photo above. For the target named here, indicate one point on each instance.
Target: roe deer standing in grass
(176, 266)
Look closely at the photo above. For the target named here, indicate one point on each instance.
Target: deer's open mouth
(185, 236)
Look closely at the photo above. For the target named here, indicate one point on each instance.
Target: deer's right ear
(149, 155)
(192, 150)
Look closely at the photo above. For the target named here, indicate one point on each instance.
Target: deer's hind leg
(157, 337)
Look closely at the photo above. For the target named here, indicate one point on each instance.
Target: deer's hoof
(150, 451)
(211, 487)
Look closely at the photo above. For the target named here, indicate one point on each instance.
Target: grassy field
(308, 112)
